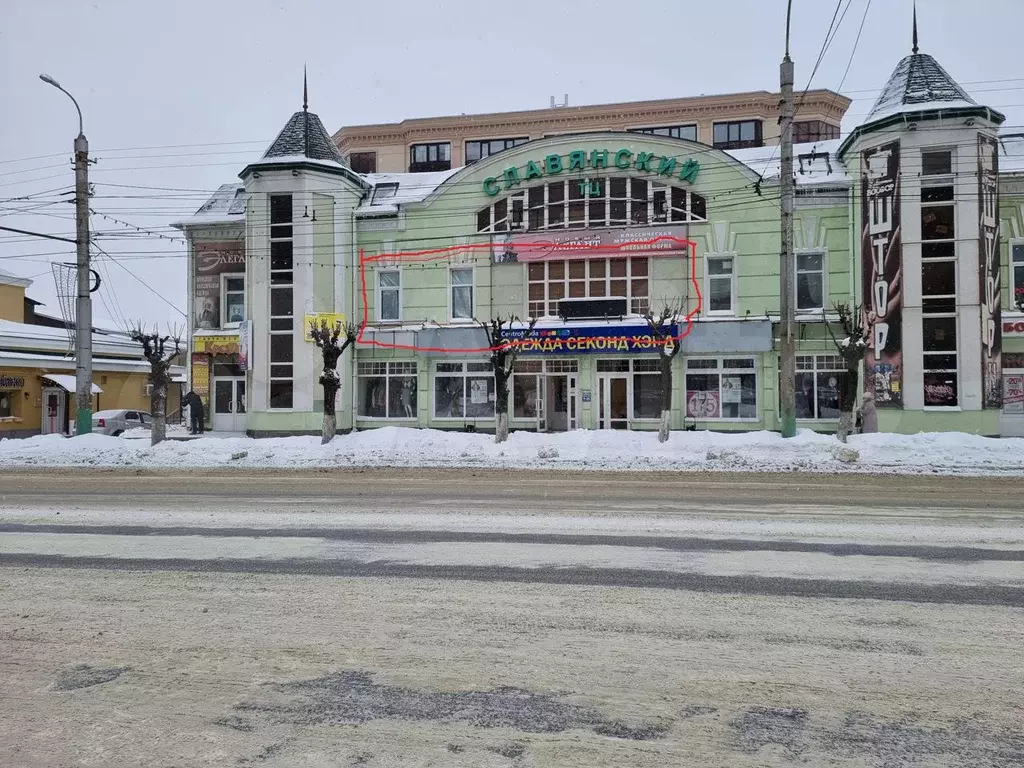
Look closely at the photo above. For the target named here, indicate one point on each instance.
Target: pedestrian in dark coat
(195, 412)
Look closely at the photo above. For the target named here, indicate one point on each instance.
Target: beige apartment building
(730, 121)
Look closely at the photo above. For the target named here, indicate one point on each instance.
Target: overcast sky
(181, 95)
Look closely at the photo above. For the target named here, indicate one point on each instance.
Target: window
(478, 150)
(644, 383)
(464, 391)
(233, 305)
(282, 309)
(588, 203)
(721, 388)
(719, 284)
(430, 157)
(383, 192)
(738, 135)
(805, 131)
(363, 162)
(820, 384)
(6, 405)
(810, 281)
(938, 280)
(386, 390)
(936, 163)
(548, 282)
(462, 293)
(672, 131)
(1017, 265)
(389, 295)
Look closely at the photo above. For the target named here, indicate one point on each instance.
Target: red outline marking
(436, 254)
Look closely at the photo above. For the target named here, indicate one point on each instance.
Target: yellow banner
(216, 345)
(318, 317)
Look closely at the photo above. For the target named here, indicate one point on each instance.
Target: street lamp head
(49, 80)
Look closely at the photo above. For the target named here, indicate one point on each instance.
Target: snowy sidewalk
(944, 452)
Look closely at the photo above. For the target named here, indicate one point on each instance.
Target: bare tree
(327, 341)
(160, 355)
(662, 326)
(503, 360)
(853, 348)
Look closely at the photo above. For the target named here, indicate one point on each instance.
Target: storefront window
(387, 390)
(6, 405)
(721, 388)
(464, 391)
(524, 389)
(820, 383)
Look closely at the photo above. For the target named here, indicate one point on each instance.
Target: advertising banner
(988, 270)
(216, 345)
(245, 345)
(585, 341)
(211, 261)
(701, 404)
(201, 379)
(320, 317)
(663, 240)
(882, 273)
(1013, 393)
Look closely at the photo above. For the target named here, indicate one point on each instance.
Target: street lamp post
(83, 303)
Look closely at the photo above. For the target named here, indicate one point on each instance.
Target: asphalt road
(412, 618)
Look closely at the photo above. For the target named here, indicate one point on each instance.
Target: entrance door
(613, 402)
(229, 405)
(556, 403)
(54, 403)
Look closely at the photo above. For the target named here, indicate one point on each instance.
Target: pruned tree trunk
(326, 340)
(853, 349)
(666, 398)
(503, 363)
(158, 408)
(331, 386)
(662, 331)
(848, 400)
(159, 357)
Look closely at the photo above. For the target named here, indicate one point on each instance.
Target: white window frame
(641, 303)
(451, 292)
(825, 362)
(823, 252)
(465, 374)
(393, 369)
(708, 258)
(224, 298)
(380, 291)
(721, 371)
(1019, 243)
(929, 181)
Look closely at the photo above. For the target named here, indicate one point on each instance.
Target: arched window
(617, 201)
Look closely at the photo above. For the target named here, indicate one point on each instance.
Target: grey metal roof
(917, 84)
(304, 135)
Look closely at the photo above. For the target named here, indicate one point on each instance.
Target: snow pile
(946, 452)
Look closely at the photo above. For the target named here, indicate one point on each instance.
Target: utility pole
(83, 303)
(787, 373)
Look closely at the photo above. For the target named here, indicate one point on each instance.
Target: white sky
(227, 75)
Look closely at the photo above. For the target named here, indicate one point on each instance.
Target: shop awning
(69, 383)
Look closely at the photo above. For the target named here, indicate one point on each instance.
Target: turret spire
(914, 49)
(305, 91)
(305, 113)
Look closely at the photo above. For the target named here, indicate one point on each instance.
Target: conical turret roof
(919, 84)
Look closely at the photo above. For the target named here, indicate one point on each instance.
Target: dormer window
(383, 192)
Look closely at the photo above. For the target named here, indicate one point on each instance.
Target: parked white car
(119, 421)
